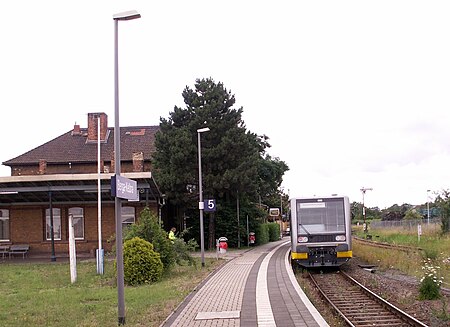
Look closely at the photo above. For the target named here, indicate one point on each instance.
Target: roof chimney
(42, 166)
(138, 161)
(76, 130)
(93, 126)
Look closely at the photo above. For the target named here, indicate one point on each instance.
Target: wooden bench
(4, 250)
(19, 249)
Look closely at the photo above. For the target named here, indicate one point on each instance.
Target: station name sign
(124, 188)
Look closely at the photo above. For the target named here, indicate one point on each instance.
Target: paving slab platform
(253, 288)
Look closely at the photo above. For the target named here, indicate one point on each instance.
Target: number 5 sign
(210, 205)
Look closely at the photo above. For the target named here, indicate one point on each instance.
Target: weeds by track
(356, 304)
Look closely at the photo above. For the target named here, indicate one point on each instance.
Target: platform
(254, 288)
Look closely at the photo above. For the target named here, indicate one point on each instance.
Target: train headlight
(340, 238)
(302, 239)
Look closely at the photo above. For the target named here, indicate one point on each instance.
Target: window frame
(78, 217)
(56, 217)
(125, 215)
(8, 219)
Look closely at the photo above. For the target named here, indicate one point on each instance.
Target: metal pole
(281, 204)
(99, 205)
(428, 208)
(117, 200)
(200, 203)
(363, 210)
(248, 234)
(238, 224)
(52, 229)
(363, 190)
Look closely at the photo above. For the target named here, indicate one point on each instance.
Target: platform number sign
(210, 205)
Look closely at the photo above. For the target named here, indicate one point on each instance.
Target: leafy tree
(412, 214)
(234, 162)
(396, 212)
(443, 203)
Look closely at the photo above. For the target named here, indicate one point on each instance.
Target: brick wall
(27, 225)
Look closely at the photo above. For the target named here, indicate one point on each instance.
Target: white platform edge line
(264, 313)
(311, 308)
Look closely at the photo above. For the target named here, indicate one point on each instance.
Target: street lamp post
(129, 15)
(428, 207)
(363, 190)
(200, 192)
(100, 257)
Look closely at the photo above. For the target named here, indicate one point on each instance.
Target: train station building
(61, 178)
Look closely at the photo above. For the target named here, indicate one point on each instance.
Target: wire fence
(435, 223)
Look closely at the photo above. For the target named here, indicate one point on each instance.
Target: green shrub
(262, 234)
(140, 263)
(430, 283)
(183, 251)
(274, 232)
(148, 228)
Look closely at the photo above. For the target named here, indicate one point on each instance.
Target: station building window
(56, 224)
(78, 222)
(128, 216)
(4, 225)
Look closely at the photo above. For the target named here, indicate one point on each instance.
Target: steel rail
(399, 314)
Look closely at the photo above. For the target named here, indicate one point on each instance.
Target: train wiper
(302, 226)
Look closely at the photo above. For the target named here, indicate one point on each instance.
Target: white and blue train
(320, 231)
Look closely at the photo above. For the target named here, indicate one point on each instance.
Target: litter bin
(223, 245)
(251, 238)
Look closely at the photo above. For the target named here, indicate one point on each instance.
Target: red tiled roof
(75, 148)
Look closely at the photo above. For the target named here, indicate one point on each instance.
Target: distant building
(60, 177)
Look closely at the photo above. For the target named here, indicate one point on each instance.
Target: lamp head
(127, 15)
(201, 130)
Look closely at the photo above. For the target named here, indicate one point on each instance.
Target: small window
(4, 225)
(78, 222)
(56, 224)
(128, 216)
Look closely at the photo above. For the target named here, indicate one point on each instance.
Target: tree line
(439, 208)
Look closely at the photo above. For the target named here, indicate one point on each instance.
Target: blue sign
(210, 205)
(124, 188)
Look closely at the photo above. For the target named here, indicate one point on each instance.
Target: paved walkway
(254, 288)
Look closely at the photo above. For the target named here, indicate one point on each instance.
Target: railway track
(356, 304)
(399, 247)
(445, 290)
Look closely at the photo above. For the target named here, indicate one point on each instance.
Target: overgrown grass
(42, 295)
(432, 243)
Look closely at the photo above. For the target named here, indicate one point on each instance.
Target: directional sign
(274, 212)
(210, 205)
(124, 188)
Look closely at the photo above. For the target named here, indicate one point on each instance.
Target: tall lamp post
(100, 251)
(428, 207)
(201, 205)
(363, 190)
(128, 15)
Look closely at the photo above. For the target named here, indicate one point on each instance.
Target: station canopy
(70, 188)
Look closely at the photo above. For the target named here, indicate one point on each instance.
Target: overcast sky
(351, 93)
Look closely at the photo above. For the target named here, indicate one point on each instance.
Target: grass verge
(42, 295)
(433, 245)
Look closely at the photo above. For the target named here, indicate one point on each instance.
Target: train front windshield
(315, 216)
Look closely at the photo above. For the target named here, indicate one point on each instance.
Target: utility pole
(363, 190)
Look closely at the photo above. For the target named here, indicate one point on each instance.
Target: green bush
(183, 251)
(148, 228)
(140, 263)
(262, 234)
(430, 283)
(274, 232)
